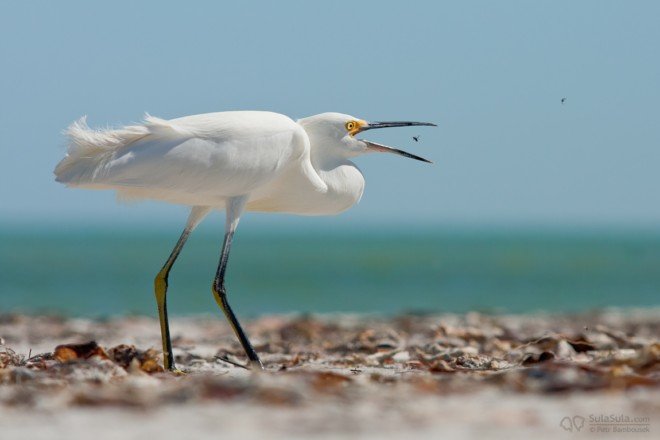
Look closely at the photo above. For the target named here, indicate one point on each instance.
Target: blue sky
(491, 74)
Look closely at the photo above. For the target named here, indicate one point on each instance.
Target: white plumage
(205, 159)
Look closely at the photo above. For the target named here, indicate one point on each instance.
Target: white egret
(237, 161)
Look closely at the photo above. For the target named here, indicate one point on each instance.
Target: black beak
(373, 146)
(373, 125)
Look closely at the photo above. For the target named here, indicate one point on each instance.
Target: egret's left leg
(234, 208)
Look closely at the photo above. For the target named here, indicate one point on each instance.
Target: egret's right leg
(197, 214)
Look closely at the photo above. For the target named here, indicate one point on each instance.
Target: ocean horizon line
(298, 227)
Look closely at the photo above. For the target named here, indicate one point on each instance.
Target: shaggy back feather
(89, 149)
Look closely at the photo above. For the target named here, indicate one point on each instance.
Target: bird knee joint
(160, 285)
(218, 290)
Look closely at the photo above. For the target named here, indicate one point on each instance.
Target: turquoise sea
(110, 271)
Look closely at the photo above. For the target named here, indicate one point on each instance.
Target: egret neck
(330, 160)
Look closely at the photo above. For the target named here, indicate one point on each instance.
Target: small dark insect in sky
(563, 100)
(416, 138)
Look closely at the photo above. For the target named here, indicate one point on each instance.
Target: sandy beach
(503, 376)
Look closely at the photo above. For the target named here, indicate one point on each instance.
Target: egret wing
(200, 158)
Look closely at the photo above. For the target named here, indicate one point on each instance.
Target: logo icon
(574, 424)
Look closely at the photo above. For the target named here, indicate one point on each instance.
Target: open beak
(373, 146)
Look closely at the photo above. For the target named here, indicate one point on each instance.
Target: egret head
(338, 132)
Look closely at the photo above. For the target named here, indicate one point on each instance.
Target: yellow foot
(177, 372)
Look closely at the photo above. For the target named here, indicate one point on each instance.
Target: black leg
(220, 295)
(234, 208)
(160, 285)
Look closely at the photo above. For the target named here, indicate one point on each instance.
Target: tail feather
(88, 150)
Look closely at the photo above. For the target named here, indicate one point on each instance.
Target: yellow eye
(350, 126)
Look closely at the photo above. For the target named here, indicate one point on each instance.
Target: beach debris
(132, 359)
(581, 345)
(337, 357)
(9, 358)
(440, 366)
(73, 352)
(123, 354)
(533, 358)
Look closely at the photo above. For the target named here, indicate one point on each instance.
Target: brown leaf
(123, 354)
(150, 361)
(71, 352)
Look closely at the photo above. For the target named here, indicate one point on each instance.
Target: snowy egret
(238, 161)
